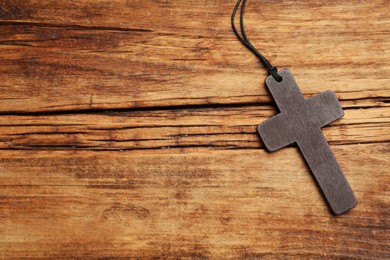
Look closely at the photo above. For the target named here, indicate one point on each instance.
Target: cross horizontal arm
(276, 133)
(324, 107)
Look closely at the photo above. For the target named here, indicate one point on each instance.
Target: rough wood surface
(128, 129)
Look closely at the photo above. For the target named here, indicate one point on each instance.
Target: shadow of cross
(300, 122)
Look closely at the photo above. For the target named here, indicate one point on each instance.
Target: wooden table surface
(128, 129)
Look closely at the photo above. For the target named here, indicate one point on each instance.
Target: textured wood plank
(61, 55)
(174, 168)
(220, 128)
(241, 204)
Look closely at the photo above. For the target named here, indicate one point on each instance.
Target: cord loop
(245, 41)
(274, 72)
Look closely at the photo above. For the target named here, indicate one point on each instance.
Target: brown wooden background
(127, 129)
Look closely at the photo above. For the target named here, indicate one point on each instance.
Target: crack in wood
(260, 105)
(74, 26)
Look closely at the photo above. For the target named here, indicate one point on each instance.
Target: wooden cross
(300, 122)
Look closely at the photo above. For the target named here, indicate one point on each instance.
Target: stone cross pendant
(300, 121)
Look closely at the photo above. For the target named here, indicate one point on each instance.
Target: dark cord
(245, 41)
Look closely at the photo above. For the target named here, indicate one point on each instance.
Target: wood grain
(128, 130)
(241, 204)
(217, 128)
(112, 54)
